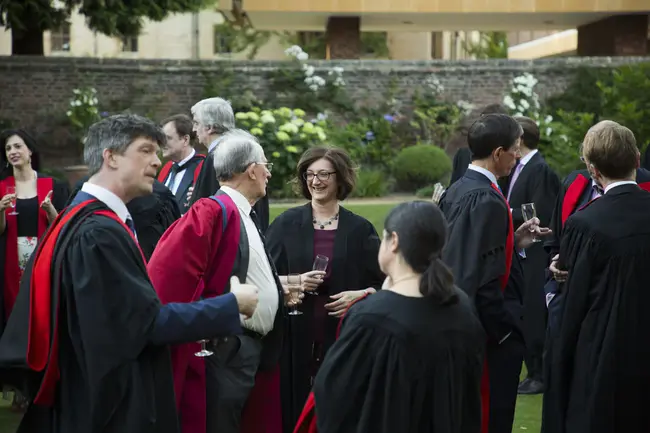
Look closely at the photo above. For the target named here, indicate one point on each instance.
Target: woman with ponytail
(409, 358)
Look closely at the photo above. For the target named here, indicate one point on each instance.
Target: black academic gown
(207, 185)
(600, 358)
(462, 159)
(537, 183)
(476, 252)
(152, 214)
(354, 266)
(403, 365)
(111, 379)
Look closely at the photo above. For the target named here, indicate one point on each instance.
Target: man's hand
(528, 231)
(559, 275)
(246, 295)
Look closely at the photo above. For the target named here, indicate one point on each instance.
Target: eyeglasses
(323, 176)
(268, 165)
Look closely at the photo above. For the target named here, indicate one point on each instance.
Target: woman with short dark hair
(294, 239)
(410, 358)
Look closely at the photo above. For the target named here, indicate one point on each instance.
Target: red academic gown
(195, 259)
(12, 273)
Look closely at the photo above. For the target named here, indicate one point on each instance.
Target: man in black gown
(152, 214)
(482, 252)
(600, 377)
(87, 340)
(212, 118)
(533, 181)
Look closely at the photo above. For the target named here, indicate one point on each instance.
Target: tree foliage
(491, 45)
(111, 17)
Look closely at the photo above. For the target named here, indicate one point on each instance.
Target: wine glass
(12, 190)
(203, 352)
(320, 264)
(528, 211)
(295, 287)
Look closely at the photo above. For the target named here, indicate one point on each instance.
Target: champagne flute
(12, 190)
(320, 264)
(528, 211)
(294, 286)
(203, 352)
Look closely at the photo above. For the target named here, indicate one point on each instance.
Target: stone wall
(34, 92)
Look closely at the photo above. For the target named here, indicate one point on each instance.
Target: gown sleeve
(359, 387)
(60, 194)
(372, 275)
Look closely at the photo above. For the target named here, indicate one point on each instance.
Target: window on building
(60, 38)
(130, 44)
(223, 39)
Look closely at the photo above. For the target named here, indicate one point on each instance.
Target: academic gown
(191, 168)
(537, 183)
(403, 365)
(87, 341)
(11, 279)
(480, 252)
(207, 185)
(152, 214)
(208, 238)
(600, 358)
(353, 266)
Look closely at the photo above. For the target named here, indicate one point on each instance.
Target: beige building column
(409, 45)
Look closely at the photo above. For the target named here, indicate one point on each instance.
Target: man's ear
(109, 158)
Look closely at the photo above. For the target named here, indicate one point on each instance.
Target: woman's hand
(343, 300)
(5, 202)
(48, 207)
(311, 280)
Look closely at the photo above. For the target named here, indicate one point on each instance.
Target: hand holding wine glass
(320, 264)
(11, 193)
(6, 201)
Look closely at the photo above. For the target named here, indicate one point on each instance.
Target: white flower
(549, 131)
(338, 70)
(267, 118)
(68, 113)
(293, 51)
(313, 87)
(339, 82)
(509, 102)
(524, 104)
(465, 106)
(548, 119)
(302, 56)
(309, 70)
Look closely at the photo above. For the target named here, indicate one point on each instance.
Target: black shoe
(530, 386)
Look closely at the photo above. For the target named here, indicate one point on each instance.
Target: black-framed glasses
(323, 176)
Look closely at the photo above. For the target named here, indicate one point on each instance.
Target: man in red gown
(235, 389)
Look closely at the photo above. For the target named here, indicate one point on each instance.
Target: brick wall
(34, 92)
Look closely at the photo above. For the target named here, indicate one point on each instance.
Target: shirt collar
(213, 145)
(113, 202)
(484, 172)
(239, 199)
(190, 156)
(523, 161)
(615, 184)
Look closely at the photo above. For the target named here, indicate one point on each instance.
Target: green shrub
(421, 165)
(371, 183)
(425, 192)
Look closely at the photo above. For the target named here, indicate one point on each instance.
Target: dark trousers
(504, 364)
(230, 377)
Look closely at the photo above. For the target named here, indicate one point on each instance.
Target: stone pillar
(344, 37)
(619, 35)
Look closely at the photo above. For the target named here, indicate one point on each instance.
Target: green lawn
(527, 416)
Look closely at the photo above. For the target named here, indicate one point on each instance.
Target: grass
(528, 412)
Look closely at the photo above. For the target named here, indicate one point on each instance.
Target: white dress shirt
(484, 172)
(259, 272)
(179, 176)
(113, 202)
(615, 184)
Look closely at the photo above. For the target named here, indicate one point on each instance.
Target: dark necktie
(176, 168)
(130, 225)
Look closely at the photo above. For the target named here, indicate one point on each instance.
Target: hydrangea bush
(285, 134)
(83, 109)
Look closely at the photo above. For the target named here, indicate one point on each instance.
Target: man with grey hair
(220, 237)
(213, 117)
(88, 337)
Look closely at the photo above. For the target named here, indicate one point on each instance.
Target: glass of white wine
(528, 212)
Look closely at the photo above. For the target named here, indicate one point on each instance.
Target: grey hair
(116, 133)
(236, 150)
(215, 113)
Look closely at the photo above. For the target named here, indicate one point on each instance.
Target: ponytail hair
(422, 231)
(437, 283)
